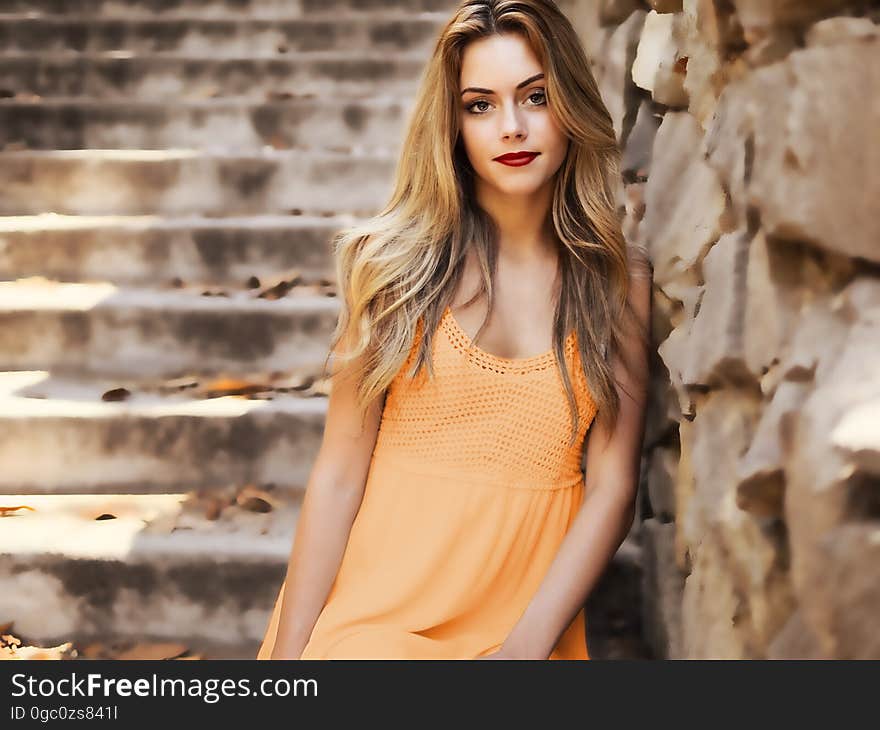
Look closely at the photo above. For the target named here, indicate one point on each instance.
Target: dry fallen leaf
(280, 289)
(275, 95)
(255, 500)
(4, 511)
(232, 386)
(169, 386)
(116, 394)
(278, 142)
(214, 506)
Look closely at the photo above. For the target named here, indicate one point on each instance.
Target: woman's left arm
(608, 509)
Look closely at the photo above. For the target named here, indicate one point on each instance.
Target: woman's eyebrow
(518, 86)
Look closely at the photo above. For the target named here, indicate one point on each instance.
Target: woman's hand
(512, 652)
(500, 653)
(286, 652)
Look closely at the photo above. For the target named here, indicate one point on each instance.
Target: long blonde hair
(405, 263)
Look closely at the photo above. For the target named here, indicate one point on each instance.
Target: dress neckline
(517, 363)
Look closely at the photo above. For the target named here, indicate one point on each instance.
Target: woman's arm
(322, 532)
(606, 515)
(331, 502)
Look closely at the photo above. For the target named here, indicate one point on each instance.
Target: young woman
(491, 315)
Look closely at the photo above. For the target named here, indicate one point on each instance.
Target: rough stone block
(658, 67)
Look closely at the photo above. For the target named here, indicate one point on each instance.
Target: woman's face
(509, 119)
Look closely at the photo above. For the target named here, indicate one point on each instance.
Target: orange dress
(471, 489)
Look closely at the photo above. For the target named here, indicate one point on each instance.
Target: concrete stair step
(67, 435)
(196, 36)
(187, 182)
(100, 328)
(160, 567)
(141, 646)
(169, 77)
(145, 646)
(81, 123)
(146, 251)
(214, 8)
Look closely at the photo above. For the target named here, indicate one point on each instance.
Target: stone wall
(749, 137)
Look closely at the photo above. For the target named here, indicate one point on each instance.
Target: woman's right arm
(332, 499)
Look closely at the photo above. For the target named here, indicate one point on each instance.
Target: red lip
(517, 156)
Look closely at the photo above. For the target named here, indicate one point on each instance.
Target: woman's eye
(473, 105)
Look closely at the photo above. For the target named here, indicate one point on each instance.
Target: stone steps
(160, 568)
(170, 77)
(186, 182)
(109, 330)
(60, 436)
(56, 123)
(164, 162)
(157, 179)
(194, 36)
(145, 251)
